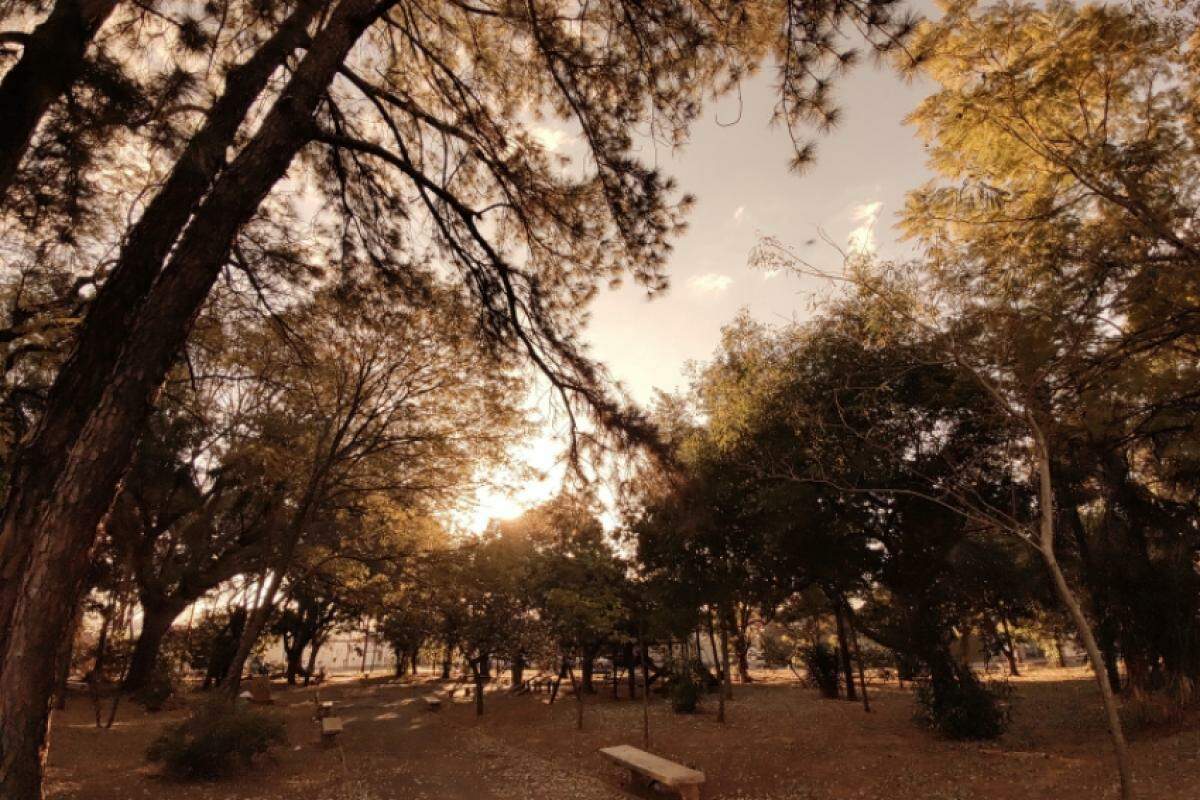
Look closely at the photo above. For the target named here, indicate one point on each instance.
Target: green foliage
(964, 709)
(685, 693)
(217, 739)
(778, 647)
(821, 662)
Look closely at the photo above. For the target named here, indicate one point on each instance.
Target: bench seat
(330, 728)
(646, 767)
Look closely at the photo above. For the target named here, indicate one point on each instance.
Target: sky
(737, 168)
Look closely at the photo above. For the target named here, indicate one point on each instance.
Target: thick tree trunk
(1046, 548)
(844, 650)
(156, 622)
(87, 372)
(446, 660)
(52, 60)
(76, 498)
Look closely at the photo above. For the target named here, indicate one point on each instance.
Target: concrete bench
(324, 709)
(647, 768)
(330, 728)
(432, 702)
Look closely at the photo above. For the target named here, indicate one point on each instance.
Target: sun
(507, 495)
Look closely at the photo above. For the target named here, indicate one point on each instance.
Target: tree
(429, 132)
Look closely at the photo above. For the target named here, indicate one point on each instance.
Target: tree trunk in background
(313, 649)
(862, 673)
(446, 661)
(741, 642)
(645, 690)
(716, 651)
(726, 676)
(476, 668)
(156, 623)
(844, 649)
(587, 668)
(1009, 648)
(631, 664)
(517, 671)
(1046, 548)
(52, 60)
(577, 690)
(65, 655)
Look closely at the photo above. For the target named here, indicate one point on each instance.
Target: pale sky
(744, 191)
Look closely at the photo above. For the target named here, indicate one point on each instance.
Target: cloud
(738, 213)
(862, 238)
(710, 283)
(550, 138)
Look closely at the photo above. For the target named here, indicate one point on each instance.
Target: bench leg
(689, 792)
(637, 781)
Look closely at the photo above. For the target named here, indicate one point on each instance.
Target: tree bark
(741, 643)
(156, 623)
(77, 498)
(645, 690)
(1046, 548)
(314, 648)
(587, 668)
(1009, 648)
(839, 616)
(52, 60)
(87, 371)
(862, 673)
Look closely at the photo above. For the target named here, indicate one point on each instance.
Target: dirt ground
(781, 741)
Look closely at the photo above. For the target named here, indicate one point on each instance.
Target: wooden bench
(330, 728)
(647, 768)
(260, 691)
(432, 702)
(324, 709)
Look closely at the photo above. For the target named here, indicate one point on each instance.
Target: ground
(781, 741)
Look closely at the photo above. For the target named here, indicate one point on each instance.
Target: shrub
(778, 648)
(966, 708)
(218, 738)
(159, 688)
(685, 694)
(822, 664)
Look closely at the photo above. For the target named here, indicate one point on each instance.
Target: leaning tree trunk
(87, 372)
(65, 506)
(1065, 593)
(52, 60)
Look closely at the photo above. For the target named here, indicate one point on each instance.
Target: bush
(685, 694)
(157, 691)
(217, 739)
(822, 664)
(966, 708)
(778, 648)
